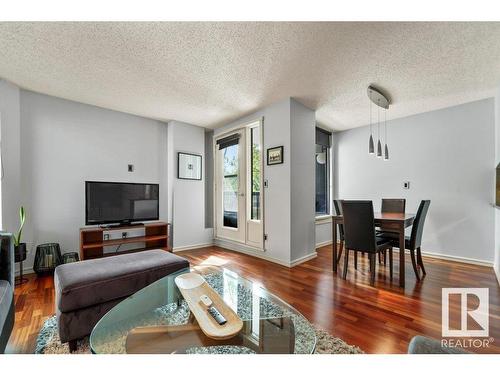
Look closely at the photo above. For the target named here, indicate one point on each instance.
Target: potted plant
(20, 247)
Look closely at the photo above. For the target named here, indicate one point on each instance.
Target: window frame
(325, 217)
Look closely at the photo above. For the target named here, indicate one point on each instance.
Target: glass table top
(156, 319)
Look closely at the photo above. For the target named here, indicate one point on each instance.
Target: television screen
(120, 202)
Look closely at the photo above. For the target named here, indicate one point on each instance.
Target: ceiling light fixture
(382, 101)
(379, 145)
(371, 146)
(386, 153)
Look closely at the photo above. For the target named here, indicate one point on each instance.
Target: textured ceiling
(210, 73)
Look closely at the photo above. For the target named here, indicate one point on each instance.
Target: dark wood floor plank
(379, 319)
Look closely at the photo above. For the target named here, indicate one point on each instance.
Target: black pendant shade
(379, 149)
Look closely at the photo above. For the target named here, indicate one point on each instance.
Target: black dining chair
(393, 205)
(414, 241)
(359, 234)
(397, 205)
(338, 211)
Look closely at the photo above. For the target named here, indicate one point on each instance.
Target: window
(255, 183)
(322, 172)
(230, 186)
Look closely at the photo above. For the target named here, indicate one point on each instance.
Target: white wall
(208, 175)
(302, 147)
(65, 143)
(447, 155)
(277, 210)
(289, 197)
(11, 155)
(323, 233)
(187, 212)
(497, 161)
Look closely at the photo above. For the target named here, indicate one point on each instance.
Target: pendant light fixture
(386, 153)
(371, 147)
(382, 101)
(379, 144)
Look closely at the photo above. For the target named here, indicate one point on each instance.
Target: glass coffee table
(156, 319)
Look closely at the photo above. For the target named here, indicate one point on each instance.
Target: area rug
(48, 342)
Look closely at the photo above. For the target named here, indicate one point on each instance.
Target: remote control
(206, 300)
(217, 315)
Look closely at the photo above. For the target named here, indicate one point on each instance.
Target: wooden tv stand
(156, 236)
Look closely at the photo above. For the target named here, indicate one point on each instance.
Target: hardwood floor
(380, 319)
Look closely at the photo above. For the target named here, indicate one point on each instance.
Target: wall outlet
(131, 167)
(406, 185)
(106, 236)
(124, 234)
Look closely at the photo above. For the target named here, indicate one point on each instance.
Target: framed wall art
(275, 155)
(188, 166)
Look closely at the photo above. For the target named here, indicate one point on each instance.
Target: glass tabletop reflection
(156, 319)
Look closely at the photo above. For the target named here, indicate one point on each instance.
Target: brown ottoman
(87, 290)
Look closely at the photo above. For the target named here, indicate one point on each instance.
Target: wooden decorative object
(171, 339)
(192, 286)
(92, 242)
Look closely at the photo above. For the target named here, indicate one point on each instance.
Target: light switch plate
(131, 167)
(406, 185)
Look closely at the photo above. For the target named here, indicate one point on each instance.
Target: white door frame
(246, 128)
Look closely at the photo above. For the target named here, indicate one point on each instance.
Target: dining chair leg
(414, 264)
(420, 260)
(355, 260)
(340, 251)
(385, 256)
(390, 262)
(372, 268)
(346, 262)
(379, 258)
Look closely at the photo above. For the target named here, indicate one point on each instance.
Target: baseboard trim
(453, 258)
(321, 244)
(192, 247)
(241, 248)
(26, 271)
(303, 259)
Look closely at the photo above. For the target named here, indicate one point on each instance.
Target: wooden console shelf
(92, 243)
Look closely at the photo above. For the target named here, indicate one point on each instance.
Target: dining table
(390, 221)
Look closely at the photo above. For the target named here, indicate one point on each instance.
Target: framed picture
(275, 155)
(188, 166)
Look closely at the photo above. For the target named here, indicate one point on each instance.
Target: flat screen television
(120, 202)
